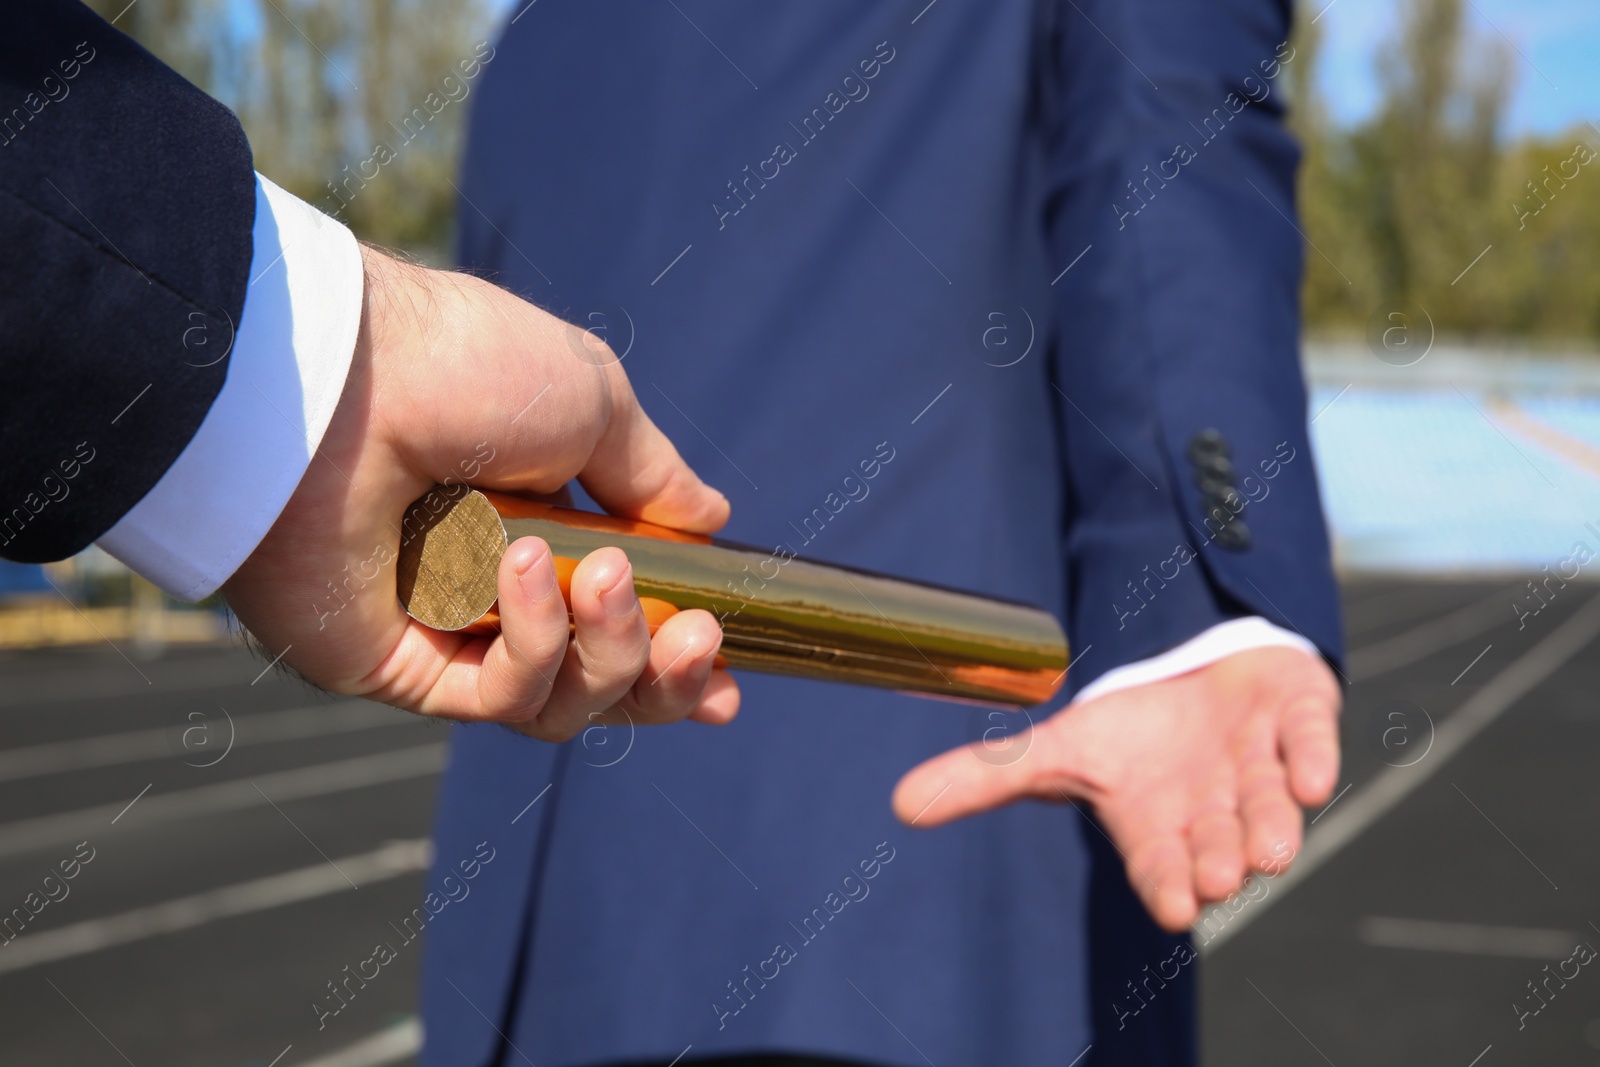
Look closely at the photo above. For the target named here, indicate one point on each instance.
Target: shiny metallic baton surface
(779, 614)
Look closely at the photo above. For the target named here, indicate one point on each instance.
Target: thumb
(634, 471)
(964, 781)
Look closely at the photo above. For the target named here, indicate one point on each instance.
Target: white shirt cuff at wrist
(1201, 650)
(291, 355)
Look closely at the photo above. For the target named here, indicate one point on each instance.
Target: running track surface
(1460, 858)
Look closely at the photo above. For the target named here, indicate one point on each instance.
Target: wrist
(402, 343)
(391, 338)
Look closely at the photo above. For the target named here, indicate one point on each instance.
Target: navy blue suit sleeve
(127, 198)
(1192, 494)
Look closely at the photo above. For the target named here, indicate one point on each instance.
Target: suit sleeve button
(1209, 442)
(1235, 535)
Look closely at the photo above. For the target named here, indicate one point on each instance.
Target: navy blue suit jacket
(127, 198)
(1030, 264)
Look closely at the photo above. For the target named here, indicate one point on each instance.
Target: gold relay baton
(779, 614)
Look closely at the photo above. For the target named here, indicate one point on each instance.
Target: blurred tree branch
(1402, 202)
(1405, 201)
(320, 84)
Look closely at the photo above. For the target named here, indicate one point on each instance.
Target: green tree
(320, 84)
(1404, 203)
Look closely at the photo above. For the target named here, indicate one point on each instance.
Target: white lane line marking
(1473, 664)
(280, 1056)
(138, 746)
(1403, 605)
(1480, 1056)
(215, 673)
(1379, 796)
(198, 909)
(322, 779)
(400, 1041)
(1332, 802)
(131, 803)
(305, 835)
(1471, 939)
(1435, 635)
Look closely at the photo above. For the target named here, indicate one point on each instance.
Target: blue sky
(1556, 85)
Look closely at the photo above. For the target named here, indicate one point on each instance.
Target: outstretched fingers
(1161, 871)
(1216, 840)
(1308, 733)
(1272, 819)
(959, 783)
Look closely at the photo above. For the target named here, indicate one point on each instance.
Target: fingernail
(696, 666)
(538, 577)
(619, 600)
(703, 661)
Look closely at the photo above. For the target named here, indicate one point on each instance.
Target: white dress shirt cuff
(1201, 650)
(291, 355)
